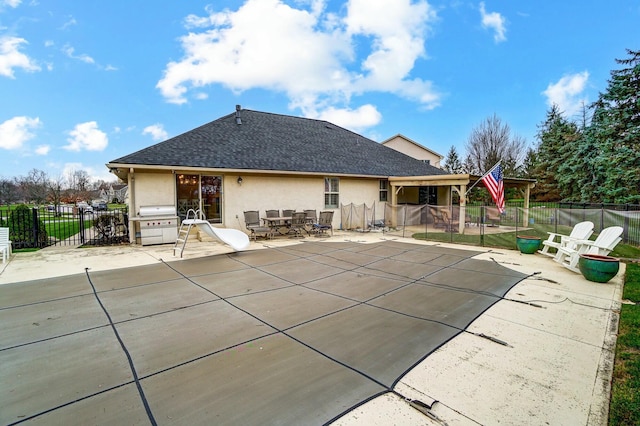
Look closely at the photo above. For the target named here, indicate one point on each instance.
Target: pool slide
(238, 240)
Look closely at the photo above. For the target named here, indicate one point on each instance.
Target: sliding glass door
(201, 192)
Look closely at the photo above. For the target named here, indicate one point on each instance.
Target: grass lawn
(63, 229)
(507, 240)
(625, 393)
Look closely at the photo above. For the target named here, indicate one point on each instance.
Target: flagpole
(482, 177)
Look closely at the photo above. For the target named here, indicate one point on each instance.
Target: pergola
(459, 184)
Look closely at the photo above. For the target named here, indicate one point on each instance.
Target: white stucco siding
(359, 191)
(153, 189)
(300, 193)
(259, 192)
(269, 193)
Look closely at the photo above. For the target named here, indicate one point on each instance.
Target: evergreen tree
(469, 166)
(616, 133)
(527, 171)
(452, 163)
(556, 142)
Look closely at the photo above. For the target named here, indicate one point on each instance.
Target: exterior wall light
(239, 180)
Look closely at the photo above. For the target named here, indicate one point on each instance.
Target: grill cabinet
(158, 225)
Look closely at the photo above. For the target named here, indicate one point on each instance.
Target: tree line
(37, 187)
(593, 159)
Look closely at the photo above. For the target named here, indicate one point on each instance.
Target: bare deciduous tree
(491, 142)
(9, 191)
(35, 186)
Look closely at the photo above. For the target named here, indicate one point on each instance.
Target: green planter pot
(527, 244)
(597, 268)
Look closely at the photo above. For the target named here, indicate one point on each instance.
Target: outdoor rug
(294, 335)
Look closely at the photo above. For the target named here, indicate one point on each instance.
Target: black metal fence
(39, 227)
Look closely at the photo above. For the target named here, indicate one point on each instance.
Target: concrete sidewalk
(554, 367)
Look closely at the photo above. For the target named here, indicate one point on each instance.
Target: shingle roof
(266, 141)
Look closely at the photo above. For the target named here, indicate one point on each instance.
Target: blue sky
(85, 82)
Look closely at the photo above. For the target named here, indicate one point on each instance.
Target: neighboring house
(252, 160)
(414, 149)
(116, 192)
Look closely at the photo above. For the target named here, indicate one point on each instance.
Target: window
(331, 193)
(427, 161)
(384, 190)
(200, 192)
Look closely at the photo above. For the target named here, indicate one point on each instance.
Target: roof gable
(273, 142)
(411, 141)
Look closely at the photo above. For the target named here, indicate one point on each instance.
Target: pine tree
(452, 163)
(556, 137)
(616, 131)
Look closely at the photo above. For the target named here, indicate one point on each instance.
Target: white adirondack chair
(5, 244)
(603, 244)
(581, 231)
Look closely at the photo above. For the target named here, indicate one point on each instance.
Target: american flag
(494, 183)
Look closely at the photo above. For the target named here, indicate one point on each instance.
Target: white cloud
(16, 131)
(156, 131)
(87, 136)
(70, 52)
(11, 3)
(356, 120)
(495, 21)
(11, 57)
(70, 22)
(306, 53)
(43, 149)
(566, 92)
(98, 172)
(49, 43)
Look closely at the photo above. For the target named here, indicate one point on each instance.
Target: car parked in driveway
(99, 205)
(85, 207)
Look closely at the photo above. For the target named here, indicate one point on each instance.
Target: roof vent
(238, 118)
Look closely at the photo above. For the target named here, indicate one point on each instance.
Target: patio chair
(298, 222)
(311, 218)
(581, 231)
(438, 221)
(272, 213)
(325, 223)
(5, 244)
(451, 223)
(492, 215)
(252, 222)
(606, 241)
(287, 213)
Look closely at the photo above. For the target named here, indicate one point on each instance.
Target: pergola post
(527, 194)
(463, 208)
(394, 211)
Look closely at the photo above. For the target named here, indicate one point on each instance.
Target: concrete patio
(344, 330)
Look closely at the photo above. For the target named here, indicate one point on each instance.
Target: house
(252, 160)
(414, 149)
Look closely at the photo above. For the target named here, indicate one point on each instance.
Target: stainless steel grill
(158, 225)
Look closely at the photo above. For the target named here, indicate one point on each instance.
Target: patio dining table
(282, 224)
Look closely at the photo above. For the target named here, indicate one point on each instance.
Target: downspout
(131, 181)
